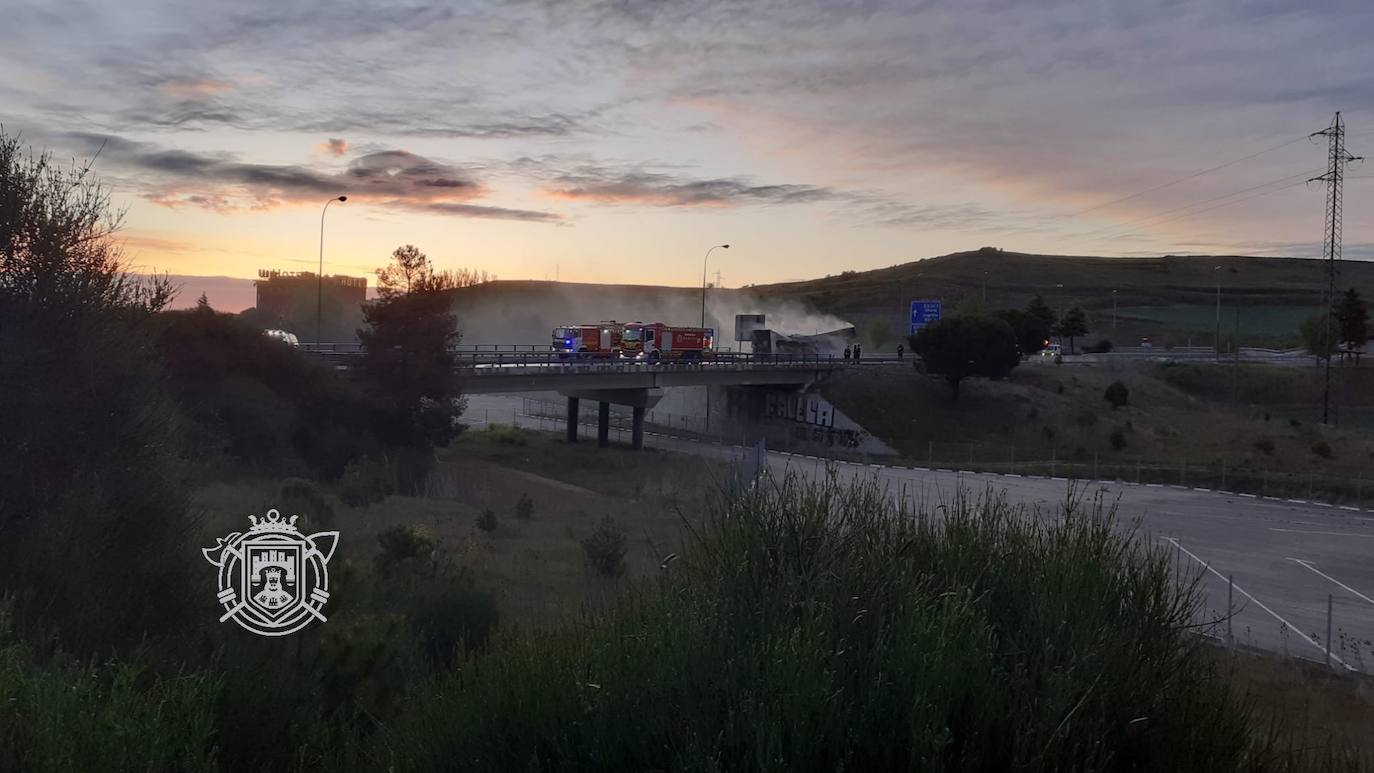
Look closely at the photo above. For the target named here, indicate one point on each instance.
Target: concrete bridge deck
(607, 380)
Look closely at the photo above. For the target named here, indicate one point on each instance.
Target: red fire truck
(655, 340)
(599, 340)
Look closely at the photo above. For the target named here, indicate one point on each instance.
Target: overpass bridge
(635, 383)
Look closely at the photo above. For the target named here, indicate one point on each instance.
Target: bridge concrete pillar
(637, 431)
(603, 424)
(572, 419)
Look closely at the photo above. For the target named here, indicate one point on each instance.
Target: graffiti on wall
(803, 409)
(829, 436)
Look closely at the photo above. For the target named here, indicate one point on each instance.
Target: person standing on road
(899, 351)
(856, 352)
(846, 354)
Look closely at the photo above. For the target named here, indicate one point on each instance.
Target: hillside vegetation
(1171, 299)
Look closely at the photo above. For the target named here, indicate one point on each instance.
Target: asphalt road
(1285, 557)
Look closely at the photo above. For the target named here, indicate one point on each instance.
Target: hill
(1170, 298)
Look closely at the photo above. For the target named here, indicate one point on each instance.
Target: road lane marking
(1328, 533)
(1258, 603)
(1308, 565)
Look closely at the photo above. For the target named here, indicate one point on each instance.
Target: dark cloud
(606, 186)
(219, 182)
(634, 185)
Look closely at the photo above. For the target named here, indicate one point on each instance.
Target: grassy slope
(1176, 413)
(1172, 299)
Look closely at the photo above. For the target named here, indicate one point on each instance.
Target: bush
(365, 482)
(1118, 439)
(1117, 395)
(604, 549)
(1101, 347)
(813, 627)
(450, 616)
(1323, 449)
(1265, 445)
(403, 548)
(524, 507)
(507, 435)
(259, 401)
(487, 520)
(302, 497)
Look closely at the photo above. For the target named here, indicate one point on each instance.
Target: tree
(90, 454)
(963, 346)
(407, 269)
(1319, 334)
(408, 362)
(1031, 330)
(1040, 311)
(1117, 395)
(1352, 319)
(1074, 324)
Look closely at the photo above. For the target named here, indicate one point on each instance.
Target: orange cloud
(194, 89)
(334, 146)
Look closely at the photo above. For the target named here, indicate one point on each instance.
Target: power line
(1198, 203)
(1227, 203)
(1187, 177)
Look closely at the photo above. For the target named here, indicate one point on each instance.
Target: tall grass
(817, 626)
(60, 714)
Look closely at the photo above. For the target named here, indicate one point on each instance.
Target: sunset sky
(617, 141)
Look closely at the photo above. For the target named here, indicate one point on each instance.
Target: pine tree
(1352, 319)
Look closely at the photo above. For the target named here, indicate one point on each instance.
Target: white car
(1053, 350)
(281, 335)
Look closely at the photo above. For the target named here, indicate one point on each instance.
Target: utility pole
(1113, 309)
(1216, 271)
(1337, 158)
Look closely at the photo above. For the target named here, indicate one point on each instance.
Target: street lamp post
(703, 279)
(1060, 288)
(1217, 338)
(319, 277)
(1113, 309)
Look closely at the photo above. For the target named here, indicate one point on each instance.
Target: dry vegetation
(1178, 417)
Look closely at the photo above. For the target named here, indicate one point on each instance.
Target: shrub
(365, 482)
(487, 520)
(1294, 423)
(1117, 395)
(302, 497)
(402, 549)
(605, 549)
(450, 616)
(1265, 445)
(1118, 439)
(507, 435)
(1322, 448)
(524, 507)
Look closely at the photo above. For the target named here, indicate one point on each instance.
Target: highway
(1285, 557)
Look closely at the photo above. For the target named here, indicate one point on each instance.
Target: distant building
(286, 300)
